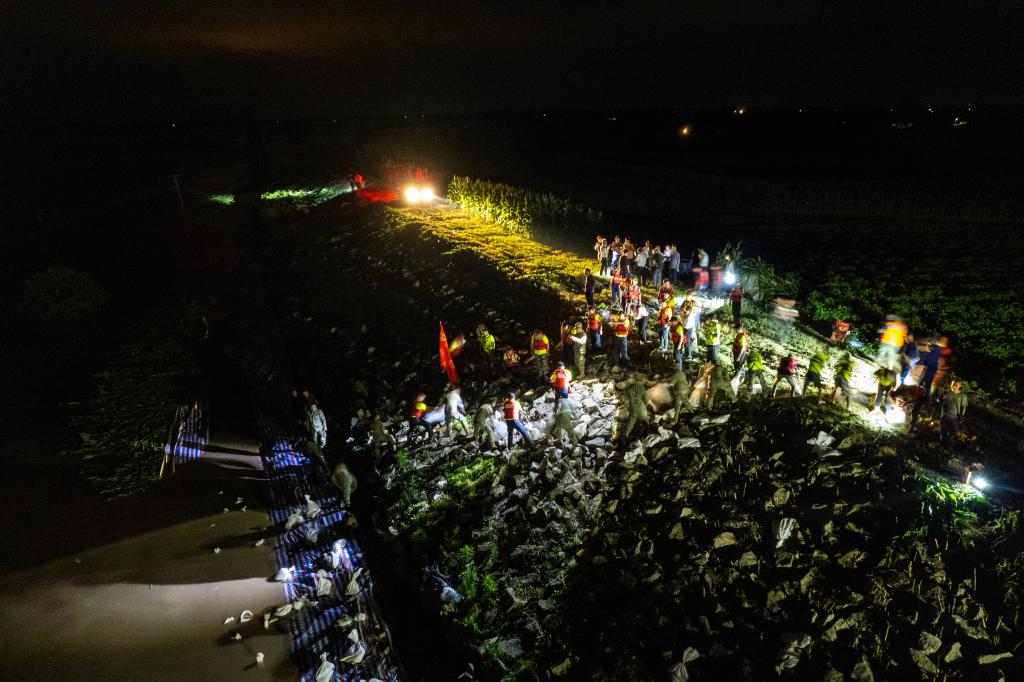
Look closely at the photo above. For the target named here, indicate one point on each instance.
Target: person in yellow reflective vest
(416, 421)
(486, 341)
(539, 346)
(712, 330)
(844, 372)
(755, 370)
(886, 381)
(814, 368)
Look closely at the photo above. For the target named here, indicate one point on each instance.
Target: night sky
(111, 61)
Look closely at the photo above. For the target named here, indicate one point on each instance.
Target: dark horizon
(69, 65)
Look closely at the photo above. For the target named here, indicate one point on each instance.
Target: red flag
(447, 364)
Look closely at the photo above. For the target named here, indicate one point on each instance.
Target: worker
(510, 358)
(666, 293)
(721, 384)
(886, 378)
(579, 348)
(787, 372)
(416, 414)
(345, 481)
(620, 327)
(931, 362)
(665, 315)
(739, 351)
(814, 367)
(689, 315)
(563, 426)
(455, 411)
(565, 342)
(635, 397)
(318, 426)
(486, 341)
(589, 285)
(457, 344)
(680, 391)
(712, 330)
(679, 341)
(638, 317)
(380, 435)
(893, 334)
(594, 325)
(482, 432)
(616, 287)
(561, 382)
(736, 297)
(513, 415)
(954, 407)
(539, 348)
(634, 292)
(909, 357)
(754, 367)
(844, 372)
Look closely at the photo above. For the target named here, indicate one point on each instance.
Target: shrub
(60, 294)
(515, 208)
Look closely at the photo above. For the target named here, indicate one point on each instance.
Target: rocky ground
(759, 539)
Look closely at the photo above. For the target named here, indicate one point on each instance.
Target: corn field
(517, 209)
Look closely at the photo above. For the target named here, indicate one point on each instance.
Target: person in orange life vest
(665, 315)
(894, 334)
(510, 358)
(739, 350)
(620, 327)
(539, 350)
(666, 293)
(594, 327)
(679, 340)
(616, 286)
(632, 292)
(736, 296)
(457, 344)
(416, 421)
(513, 413)
(561, 380)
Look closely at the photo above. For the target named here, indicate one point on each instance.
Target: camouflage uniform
(636, 400)
(680, 390)
(481, 430)
(345, 481)
(720, 381)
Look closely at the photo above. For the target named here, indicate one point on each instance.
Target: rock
(923, 662)
(747, 559)
(953, 654)
(928, 642)
(724, 540)
(851, 559)
(676, 533)
(862, 671)
(989, 659)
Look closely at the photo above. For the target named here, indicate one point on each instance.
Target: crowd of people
(676, 321)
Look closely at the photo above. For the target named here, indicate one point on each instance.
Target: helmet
(511, 394)
(561, 365)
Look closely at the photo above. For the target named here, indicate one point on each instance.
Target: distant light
(978, 483)
(740, 111)
(412, 194)
(684, 131)
(224, 199)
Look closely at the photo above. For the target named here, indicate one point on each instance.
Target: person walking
(561, 382)
(893, 334)
(712, 337)
(563, 426)
(482, 432)
(455, 411)
(539, 349)
(954, 407)
(513, 420)
(589, 285)
(931, 361)
(318, 426)
(909, 357)
(786, 372)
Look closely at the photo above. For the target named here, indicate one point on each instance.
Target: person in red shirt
(736, 296)
(616, 287)
(787, 371)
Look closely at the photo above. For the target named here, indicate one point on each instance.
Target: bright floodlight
(730, 277)
(426, 194)
(979, 483)
(413, 194)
